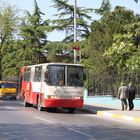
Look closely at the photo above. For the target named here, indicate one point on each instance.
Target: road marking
(108, 114)
(39, 118)
(80, 132)
(71, 129)
(10, 107)
(119, 116)
(128, 118)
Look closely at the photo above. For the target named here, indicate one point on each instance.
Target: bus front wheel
(39, 107)
(26, 104)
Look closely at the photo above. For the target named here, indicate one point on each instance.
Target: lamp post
(75, 31)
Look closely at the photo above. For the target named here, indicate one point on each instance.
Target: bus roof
(68, 64)
(6, 82)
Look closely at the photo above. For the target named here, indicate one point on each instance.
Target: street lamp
(75, 31)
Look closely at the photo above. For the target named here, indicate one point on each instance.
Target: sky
(45, 7)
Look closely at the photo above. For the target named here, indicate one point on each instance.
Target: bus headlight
(78, 97)
(52, 97)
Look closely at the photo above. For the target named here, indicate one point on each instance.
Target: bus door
(26, 83)
(44, 81)
(36, 84)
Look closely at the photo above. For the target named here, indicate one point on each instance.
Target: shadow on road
(43, 131)
(93, 109)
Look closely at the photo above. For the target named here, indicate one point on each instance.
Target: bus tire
(26, 104)
(13, 98)
(71, 110)
(54, 109)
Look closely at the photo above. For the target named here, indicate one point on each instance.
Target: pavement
(110, 111)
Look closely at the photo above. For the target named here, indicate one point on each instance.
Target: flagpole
(75, 31)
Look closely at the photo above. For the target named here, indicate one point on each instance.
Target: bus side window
(46, 77)
(27, 74)
(37, 75)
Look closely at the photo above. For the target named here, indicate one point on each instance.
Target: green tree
(110, 24)
(13, 59)
(58, 51)
(101, 37)
(125, 51)
(105, 8)
(8, 26)
(33, 32)
(65, 20)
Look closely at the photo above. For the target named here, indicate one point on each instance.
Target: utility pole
(75, 31)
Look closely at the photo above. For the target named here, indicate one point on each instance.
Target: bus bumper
(7, 95)
(63, 103)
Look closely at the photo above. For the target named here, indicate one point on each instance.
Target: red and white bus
(52, 86)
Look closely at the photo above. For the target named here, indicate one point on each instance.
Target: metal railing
(108, 85)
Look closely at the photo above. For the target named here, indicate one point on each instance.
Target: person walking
(123, 95)
(131, 96)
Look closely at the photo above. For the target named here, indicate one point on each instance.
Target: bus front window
(55, 75)
(75, 76)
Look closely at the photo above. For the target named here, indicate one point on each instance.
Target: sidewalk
(110, 109)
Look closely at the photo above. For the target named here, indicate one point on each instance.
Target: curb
(118, 116)
(89, 110)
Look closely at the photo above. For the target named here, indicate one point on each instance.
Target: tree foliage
(65, 20)
(110, 45)
(101, 37)
(13, 59)
(8, 26)
(104, 9)
(125, 51)
(34, 34)
(28, 49)
(8, 22)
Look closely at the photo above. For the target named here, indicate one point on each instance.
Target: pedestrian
(123, 95)
(131, 95)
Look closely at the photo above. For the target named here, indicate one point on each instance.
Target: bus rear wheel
(54, 109)
(13, 98)
(71, 110)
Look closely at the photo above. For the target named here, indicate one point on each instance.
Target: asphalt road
(20, 123)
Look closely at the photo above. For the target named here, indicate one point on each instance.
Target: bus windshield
(59, 75)
(74, 76)
(55, 75)
(7, 85)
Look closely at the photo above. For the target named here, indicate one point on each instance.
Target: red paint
(76, 48)
(65, 103)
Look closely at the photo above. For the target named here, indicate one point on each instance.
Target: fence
(108, 85)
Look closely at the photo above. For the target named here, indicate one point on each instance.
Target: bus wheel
(71, 110)
(39, 107)
(26, 104)
(14, 97)
(51, 109)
